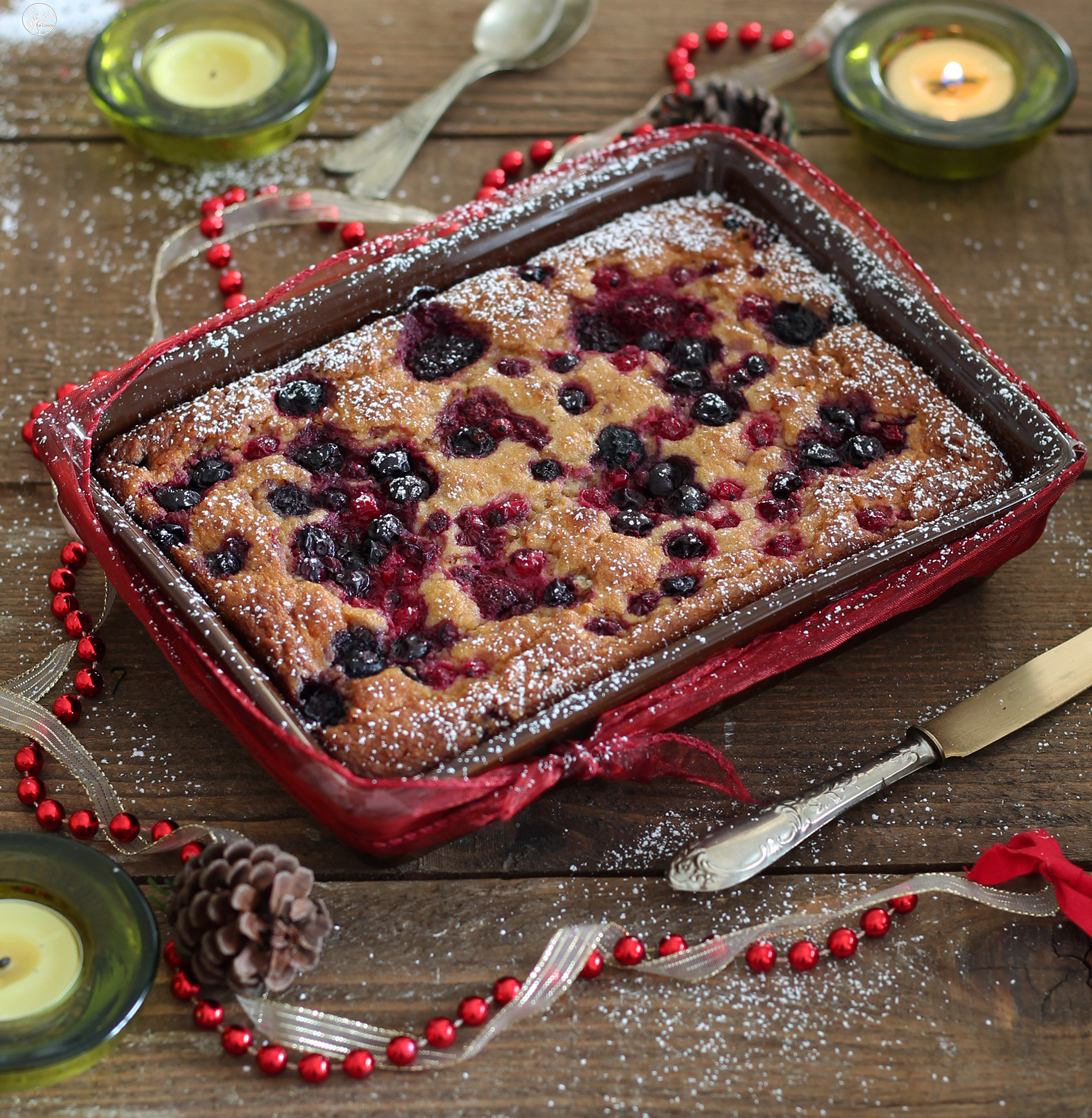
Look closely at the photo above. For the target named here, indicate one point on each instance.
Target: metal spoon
(507, 33)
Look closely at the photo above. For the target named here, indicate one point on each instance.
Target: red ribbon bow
(1037, 852)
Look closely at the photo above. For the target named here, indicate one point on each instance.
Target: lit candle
(41, 955)
(950, 78)
(213, 69)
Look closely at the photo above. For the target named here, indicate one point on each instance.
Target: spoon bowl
(507, 36)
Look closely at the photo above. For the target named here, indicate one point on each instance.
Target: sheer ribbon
(310, 1030)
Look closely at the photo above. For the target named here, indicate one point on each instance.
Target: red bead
(511, 162)
(83, 824)
(684, 73)
(66, 390)
(90, 648)
(88, 682)
(28, 434)
(314, 1067)
(682, 89)
(905, 904)
(485, 192)
(505, 989)
(842, 942)
(358, 1064)
(163, 828)
(50, 815)
(642, 129)
(688, 41)
(760, 957)
(212, 225)
(749, 34)
(353, 234)
(230, 281)
(301, 200)
(67, 708)
(716, 33)
(494, 177)
(271, 1059)
(593, 968)
(61, 579)
(803, 955)
(77, 624)
(28, 760)
(233, 301)
(212, 206)
(440, 1032)
(74, 554)
(629, 951)
(473, 1011)
(269, 188)
(327, 219)
(235, 1040)
(63, 604)
(190, 850)
(541, 151)
(782, 40)
(677, 56)
(233, 195)
(671, 944)
(29, 790)
(183, 987)
(219, 255)
(40, 407)
(402, 1051)
(207, 1015)
(170, 954)
(124, 827)
(875, 922)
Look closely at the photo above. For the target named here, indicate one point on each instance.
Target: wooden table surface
(960, 1011)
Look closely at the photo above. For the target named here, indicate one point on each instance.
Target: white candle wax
(41, 955)
(950, 78)
(213, 69)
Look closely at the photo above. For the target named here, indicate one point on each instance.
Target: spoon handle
(384, 152)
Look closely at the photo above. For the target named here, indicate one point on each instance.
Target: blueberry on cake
(435, 526)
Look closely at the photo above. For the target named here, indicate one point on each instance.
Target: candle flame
(952, 74)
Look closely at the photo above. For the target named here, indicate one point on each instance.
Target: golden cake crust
(486, 549)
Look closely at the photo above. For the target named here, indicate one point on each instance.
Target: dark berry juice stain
(789, 323)
(648, 314)
(849, 434)
(436, 343)
(471, 426)
(485, 527)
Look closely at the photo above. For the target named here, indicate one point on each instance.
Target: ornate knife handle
(732, 854)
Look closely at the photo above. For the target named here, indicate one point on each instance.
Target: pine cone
(725, 102)
(243, 917)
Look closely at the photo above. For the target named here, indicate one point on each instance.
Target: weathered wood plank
(169, 758)
(959, 1011)
(384, 62)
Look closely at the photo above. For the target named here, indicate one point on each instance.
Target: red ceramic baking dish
(619, 727)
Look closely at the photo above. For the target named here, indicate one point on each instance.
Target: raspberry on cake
(436, 526)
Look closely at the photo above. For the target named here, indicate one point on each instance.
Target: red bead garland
(803, 955)
(505, 989)
(50, 815)
(749, 34)
(235, 1040)
(28, 760)
(593, 968)
(473, 1011)
(629, 951)
(842, 943)
(875, 922)
(402, 1051)
(83, 824)
(314, 1067)
(440, 1032)
(671, 944)
(208, 1014)
(271, 1059)
(761, 957)
(124, 827)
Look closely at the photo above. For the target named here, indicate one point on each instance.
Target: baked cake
(435, 526)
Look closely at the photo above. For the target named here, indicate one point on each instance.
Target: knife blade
(733, 853)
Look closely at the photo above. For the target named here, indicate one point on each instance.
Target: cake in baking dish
(433, 527)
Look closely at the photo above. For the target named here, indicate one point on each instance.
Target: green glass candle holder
(120, 954)
(1044, 74)
(121, 73)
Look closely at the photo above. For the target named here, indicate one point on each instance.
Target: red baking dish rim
(394, 817)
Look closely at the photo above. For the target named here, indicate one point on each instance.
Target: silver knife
(734, 853)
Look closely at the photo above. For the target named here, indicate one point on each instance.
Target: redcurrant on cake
(432, 528)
